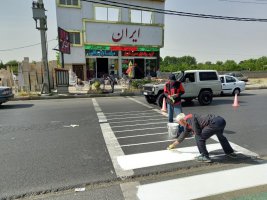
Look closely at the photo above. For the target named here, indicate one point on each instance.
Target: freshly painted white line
(140, 160)
(139, 102)
(205, 185)
(140, 124)
(137, 117)
(240, 149)
(144, 135)
(144, 143)
(138, 120)
(139, 129)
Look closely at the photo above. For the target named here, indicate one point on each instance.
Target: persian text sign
(123, 34)
(100, 53)
(63, 41)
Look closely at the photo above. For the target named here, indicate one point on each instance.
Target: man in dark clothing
(203, 127)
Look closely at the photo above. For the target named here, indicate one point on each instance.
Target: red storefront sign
(139, 54)
(121, 48)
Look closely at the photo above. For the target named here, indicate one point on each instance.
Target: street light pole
(41, 24)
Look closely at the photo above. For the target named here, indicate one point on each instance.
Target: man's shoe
(203, 158)
(170, 147)
(232, 155)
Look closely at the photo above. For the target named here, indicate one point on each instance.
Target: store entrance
(78, 70)
(139, 68)
(102, 67)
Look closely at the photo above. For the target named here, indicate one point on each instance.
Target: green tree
(13, 64)
(230, 65)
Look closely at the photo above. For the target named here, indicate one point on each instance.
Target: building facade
(106, 38)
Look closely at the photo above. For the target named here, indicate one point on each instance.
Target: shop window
(75, 38)
(69, 2)
(107, 13)
(144, 17)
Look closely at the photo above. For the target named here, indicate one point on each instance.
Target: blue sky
(205, 39)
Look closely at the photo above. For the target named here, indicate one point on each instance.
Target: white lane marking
(140, 160)
(144, 143)
(140, 124)
(194, 187)
(101, 117)
(96, 106)
(111, 142)
(139, 120)
(240, 149)
(116, 113)
(131, 113)
(160, 112)
(139, 129)
(100, 114)
(139, 102)
(138, 117)
(144, 135)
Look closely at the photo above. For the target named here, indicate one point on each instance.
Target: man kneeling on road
(203, 127)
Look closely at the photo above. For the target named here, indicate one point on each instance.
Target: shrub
(138, 84)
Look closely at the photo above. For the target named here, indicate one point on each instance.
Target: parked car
(231, 85)
(5, 94)
(238, 75)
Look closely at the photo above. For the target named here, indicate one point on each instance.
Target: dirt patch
(257, 81)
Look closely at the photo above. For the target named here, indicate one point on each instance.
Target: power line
(23, 47)
(171, 12)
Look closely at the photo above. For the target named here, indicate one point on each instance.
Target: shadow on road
(17, 106)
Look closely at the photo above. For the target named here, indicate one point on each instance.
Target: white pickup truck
(198, 84)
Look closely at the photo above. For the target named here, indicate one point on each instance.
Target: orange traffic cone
(235, 104)
(164, 109)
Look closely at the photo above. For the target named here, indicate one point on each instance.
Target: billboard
(63, 41)
(123, 34)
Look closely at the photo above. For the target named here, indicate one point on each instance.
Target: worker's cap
(172, 77)
(180, 116)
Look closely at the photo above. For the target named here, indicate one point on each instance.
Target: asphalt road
(48, 145)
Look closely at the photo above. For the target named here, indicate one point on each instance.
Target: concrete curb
(69, 96)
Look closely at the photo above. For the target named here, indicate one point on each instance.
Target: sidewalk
(83, 92)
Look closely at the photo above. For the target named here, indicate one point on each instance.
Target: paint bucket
(172, 129)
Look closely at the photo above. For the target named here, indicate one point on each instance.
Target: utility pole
(40, 18)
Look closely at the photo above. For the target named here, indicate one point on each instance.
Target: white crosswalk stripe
(135, 161)
(205, 185)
